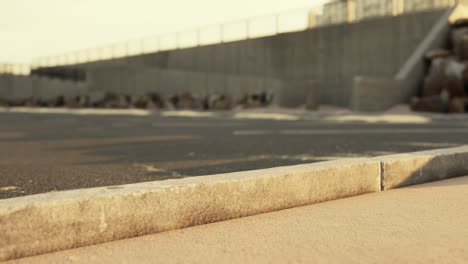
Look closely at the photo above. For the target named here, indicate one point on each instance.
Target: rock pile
(445, 87)
(150, 101)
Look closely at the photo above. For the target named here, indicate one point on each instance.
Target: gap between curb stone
(382, 175)
(406, 169)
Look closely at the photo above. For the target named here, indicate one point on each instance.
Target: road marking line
(267, 116)
(187, 113)
(251, 132)
(349, 131)
(373, 131)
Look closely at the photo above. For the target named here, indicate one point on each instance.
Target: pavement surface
(420, 224)
(51, 152)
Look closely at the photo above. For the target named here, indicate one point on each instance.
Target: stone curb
(421, 167)
(43, 223)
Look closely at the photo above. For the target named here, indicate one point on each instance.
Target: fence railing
(15, 68)
(296, 20)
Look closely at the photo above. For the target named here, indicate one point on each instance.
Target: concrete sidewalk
(420, 224)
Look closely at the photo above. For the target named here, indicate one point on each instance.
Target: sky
(37, 28)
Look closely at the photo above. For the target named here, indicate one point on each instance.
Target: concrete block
(216, 83)
(420, 167)
(295, 93)
(232, 58)
(296, 55)
(275, 56)
(144, 81)
(177, 59)
(258, 46)
(273, 86)
(22, 87)
(312, 96)
(204, 59)
(197, 83)
(49, 222)
(248, 84)
(248, 57)
(159, 59)
(376, 94)
(313, 65)
(6, 86)
(259, 84)
(127, 83)
(219, 54)
(176, 82)
(234, 86)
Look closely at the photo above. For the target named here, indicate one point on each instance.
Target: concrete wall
(5, 86)
(18, 87)
(330, 55)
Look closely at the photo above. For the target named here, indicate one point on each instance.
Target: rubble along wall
(139, 80)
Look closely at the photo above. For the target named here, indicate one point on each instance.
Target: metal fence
(15, 68)
(266, 25)
(296, 20)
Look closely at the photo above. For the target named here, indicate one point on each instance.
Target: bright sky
(34, 28)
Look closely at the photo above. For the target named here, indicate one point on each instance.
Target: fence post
(312, 19)
(398, 7)
(221, 33)
(142, 46)
(247, 29)
(113, 51)
(277, 17)
(351, 11)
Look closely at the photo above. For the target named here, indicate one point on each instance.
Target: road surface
(52, 152)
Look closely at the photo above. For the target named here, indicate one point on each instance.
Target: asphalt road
(51, 152)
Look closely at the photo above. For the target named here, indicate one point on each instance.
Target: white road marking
(251, 132)
(268, 116)
(373, 131)
(188, 113)
(394, 119)
(349, 131)
(85, 111)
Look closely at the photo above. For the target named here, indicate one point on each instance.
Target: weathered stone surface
(49, 222)
(421, 167)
